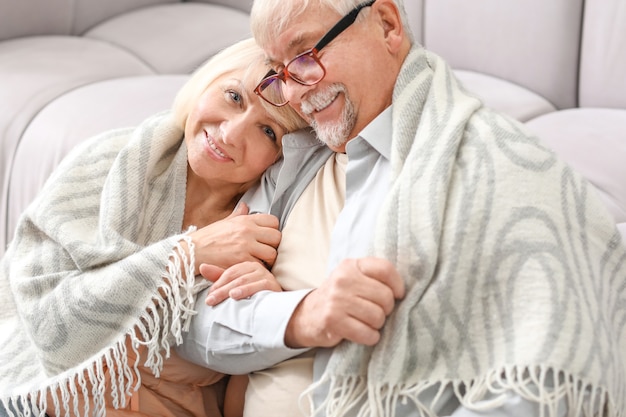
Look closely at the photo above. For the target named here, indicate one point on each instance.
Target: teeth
(318, 106)
(321, 100)
(322, 106)
(214, 147)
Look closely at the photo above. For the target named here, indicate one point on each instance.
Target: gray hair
(269, 18)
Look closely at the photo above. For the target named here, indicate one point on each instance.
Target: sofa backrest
(61, 17)
(244, 5)
(414, 9)
(603, 61)
(533, 43)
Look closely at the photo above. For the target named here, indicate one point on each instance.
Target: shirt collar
(378, 133)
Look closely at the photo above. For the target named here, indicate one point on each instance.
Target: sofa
(69, 70)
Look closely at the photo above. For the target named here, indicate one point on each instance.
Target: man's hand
(352, 304)
(239, 281)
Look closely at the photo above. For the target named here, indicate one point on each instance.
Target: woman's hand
(237, 282)
(240, 237)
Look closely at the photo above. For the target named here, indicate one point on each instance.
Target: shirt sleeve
(241, 336)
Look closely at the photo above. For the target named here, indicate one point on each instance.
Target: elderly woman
(101, 277)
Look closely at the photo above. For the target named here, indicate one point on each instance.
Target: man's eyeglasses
(306, 68)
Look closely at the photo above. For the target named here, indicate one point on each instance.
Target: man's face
(347, 98)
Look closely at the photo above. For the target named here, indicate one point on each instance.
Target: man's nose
(293, 91)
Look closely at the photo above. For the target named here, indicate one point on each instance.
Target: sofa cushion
(532, 43)
(74, 117)
(195, 32)
(60, 17)
(243, 5)
(507, 97)
(36, 70)
(593, 142)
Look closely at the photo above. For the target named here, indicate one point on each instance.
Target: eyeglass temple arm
(346, 21)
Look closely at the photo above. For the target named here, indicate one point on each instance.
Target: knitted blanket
(515, 273)
(89, 268)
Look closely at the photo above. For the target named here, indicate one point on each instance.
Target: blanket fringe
(558, 392)
(85, 387)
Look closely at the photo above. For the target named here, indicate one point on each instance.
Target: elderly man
(506, 271)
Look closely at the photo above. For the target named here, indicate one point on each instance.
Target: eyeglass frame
(344, 23)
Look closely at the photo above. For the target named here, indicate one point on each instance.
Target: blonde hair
(244, 55)
(269, 18)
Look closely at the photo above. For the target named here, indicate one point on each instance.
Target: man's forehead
(302, 32)
(289, 44)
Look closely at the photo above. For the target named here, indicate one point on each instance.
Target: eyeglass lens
(271, 90)
(304, 69)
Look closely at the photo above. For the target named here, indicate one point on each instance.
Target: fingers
(265, 220)
(236, 239)
(262, 228)
(358, 332)
(383, 271)
(242, 281)
(352, 304)
(248, 290)
(241, 209)
(370, 313)
(373, 279)
(266, 254)
(361, 324)
(268, 238)
(211, 272)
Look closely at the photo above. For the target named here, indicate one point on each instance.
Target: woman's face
(230, 137)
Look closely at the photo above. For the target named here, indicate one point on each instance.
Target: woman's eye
(269, 132)
(234, 96)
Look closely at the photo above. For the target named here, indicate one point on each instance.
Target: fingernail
(211, 300)
(235, 293)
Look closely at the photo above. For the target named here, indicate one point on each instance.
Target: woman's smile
(213, 150)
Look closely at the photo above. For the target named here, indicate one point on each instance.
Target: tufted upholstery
(69, 70)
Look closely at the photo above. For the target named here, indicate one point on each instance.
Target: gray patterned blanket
(88, 269)
(515, 272)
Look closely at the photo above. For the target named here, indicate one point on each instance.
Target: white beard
(333, 134)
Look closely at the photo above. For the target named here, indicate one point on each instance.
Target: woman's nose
(234, 130)
(231, 131)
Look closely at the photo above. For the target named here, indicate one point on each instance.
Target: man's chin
(332, 136)
(335, 133)
(337, 148)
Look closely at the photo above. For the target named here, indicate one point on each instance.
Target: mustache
(321, 99)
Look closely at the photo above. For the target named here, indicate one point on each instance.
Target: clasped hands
(352, 304)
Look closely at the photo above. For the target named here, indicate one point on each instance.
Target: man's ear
(389, 15)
